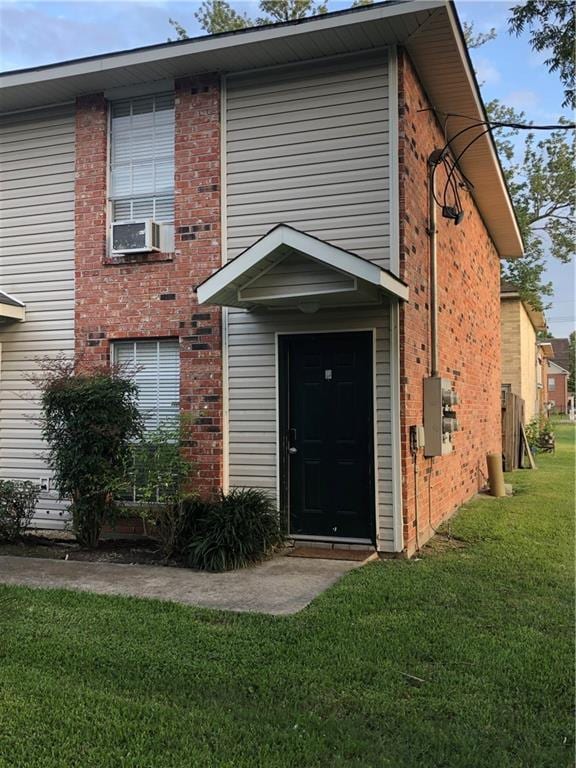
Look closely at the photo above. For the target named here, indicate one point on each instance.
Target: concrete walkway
(280, 586)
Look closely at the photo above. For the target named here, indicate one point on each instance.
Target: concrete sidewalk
(280, 586)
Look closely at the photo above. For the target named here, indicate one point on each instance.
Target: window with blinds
(142, 158)
(155, 366)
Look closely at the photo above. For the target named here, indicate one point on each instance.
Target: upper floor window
(142, 158)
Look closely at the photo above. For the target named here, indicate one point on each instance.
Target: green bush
(90, 419)
(539, 432)
(160, 477)
(17, 505)
(240, 528)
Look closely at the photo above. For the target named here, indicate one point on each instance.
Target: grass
(98, 682)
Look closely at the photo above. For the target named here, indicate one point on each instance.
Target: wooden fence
(512, 421)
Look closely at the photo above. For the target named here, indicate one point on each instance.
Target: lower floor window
(155, 367)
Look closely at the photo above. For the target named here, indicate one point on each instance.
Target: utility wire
(489, 126)
(502, 124)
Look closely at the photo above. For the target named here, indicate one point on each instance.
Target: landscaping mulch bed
(59, 545)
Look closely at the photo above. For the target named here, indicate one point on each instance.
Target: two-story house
(524, 358)
(285, 230)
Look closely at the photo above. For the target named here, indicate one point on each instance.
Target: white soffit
(225, 286)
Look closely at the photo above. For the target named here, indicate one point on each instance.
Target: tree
(551, 24)
(572, 366)
(217, 16)
(476, 39)
(540, 178)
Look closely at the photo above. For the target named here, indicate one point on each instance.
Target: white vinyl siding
(308, 146)
(155, 366)
(253, 383)
(37, 267)
(142, 158)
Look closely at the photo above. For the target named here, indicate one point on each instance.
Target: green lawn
(94, 681)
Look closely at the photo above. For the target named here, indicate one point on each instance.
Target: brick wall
(153, 296)
(558, 392)
(468, 322)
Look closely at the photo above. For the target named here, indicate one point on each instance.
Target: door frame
(282, 482)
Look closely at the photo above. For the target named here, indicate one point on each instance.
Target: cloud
(33, 33)
(522, 100)
(486, 71)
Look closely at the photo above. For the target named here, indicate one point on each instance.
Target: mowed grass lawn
(487, 625)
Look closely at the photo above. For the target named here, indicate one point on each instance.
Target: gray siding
(253, 451)
(297, 276)
(37, 267)
(308, 146)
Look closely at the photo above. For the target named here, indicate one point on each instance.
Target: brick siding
(154, 297)
(468, 325)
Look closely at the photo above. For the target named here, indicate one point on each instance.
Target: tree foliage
(476, 39)
(572, 365)
(552, 24)
(540, 177)
(215, 16)
(539, 171)
(89, 420)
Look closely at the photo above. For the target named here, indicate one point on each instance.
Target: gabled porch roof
(11, 309)
(288, 268)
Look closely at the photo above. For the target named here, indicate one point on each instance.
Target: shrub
(160, 476)
(17, 505)
(240, 528)
(89, 421)
(539, 432)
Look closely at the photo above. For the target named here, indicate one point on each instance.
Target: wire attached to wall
(455, 179)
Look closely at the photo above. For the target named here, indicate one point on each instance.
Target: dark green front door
(328, 438)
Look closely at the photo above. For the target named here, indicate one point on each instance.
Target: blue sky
(33, 33)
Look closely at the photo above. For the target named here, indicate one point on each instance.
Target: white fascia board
(481, 113)
(319, 250)
(209, 43)
(238, 266)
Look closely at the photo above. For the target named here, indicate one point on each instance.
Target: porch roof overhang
(288, 268)
(11, 309)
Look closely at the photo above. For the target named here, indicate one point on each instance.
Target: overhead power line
(451, 166)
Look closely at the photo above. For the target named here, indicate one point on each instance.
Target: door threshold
(330, 541)
(337, 553)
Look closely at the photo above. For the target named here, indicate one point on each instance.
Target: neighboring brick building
(262, 246)
(557, 386)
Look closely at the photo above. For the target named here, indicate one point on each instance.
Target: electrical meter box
(440, 420)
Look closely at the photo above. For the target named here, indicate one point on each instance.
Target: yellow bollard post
(495, 474)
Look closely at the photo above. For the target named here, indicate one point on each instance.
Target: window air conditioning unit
(135, 236)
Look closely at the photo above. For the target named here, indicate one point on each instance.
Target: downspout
(433, 161)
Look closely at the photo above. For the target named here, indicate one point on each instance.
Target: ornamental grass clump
(90, 420)
(239, 529)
